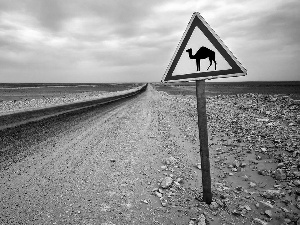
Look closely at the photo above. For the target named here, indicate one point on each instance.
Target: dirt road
(99, 171)
(133, 164)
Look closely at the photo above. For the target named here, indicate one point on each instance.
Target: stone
(166, 182)
(163, 167)
(163, 202)
(245, 177)
(179, 180)
(145, 201)
(296, 174)
(268, 213)
(239, 188)
(213, 206)
(265, 205)
(280, 174)
(271, 194)
(257, 221)
(230, 174)
(297, 183)
(192, 222)
(296, 102)
(264, 150)
(169, 161)
(277, 186)
(219, 202)
(247, 207)
(198, 166)
(236, 212)
(252, 184)
(201, 220)
(154, 189)
(280, 165)
(262, 119)
(243, 165)
(236, 164)
(158, 194)
(284, 209)
(234, 170)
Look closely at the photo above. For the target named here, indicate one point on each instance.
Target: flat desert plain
(139, 162)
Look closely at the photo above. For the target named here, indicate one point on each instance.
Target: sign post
(202, 55)
(203, 137)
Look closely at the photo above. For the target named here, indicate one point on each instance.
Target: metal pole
(203, 137)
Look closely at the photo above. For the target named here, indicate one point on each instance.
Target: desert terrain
(138, 161)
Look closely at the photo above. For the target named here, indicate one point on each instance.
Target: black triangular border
(235, 68)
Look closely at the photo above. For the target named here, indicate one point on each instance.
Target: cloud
(134, 39)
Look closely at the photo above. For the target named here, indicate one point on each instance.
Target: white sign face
(201, 54)
(189, 65)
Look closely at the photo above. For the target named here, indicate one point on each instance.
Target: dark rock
(280, 174)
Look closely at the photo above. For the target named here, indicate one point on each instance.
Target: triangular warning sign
(201, 54)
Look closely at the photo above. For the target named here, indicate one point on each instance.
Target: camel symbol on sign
(203, 53)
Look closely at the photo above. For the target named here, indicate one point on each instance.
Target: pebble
(297, 183)
(296, 174)
(198, 166)
(236, 212)
(280, 165)
(271, 194)
(239, 188)
(158, 194)
(243, 165)
(201, 220)
(245, 177)
(247, 207)
(265, 205)
(234, 170)
(213, 206)
(252, 184)
(163, 167)
(268, 213)
(145, 201)
(236, 164)
(163, 202)
(192, 222)
(280, 174)
(258, 221)
(169, 161)
(166, 182)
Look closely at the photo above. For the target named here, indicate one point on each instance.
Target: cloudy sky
(134, 40)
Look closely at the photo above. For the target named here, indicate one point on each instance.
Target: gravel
(108, 169)
(26, 104)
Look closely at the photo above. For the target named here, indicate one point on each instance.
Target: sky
(94, 41)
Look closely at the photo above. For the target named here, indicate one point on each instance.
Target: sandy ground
(138, 164)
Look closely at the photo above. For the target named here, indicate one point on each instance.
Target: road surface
(94, 167)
